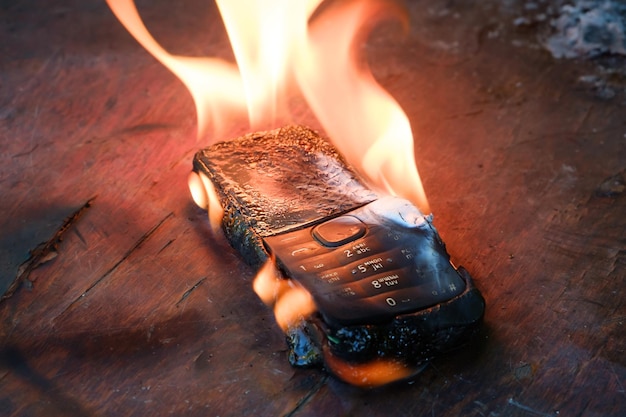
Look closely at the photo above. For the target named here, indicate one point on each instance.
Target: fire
(285, 46)
(291, 302)
(264, 36)
(372, 374)
(205, 196)
(311, 48)
(366, 123)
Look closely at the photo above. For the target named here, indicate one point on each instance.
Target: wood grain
(144, 312)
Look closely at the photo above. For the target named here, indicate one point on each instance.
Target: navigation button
(339, 231)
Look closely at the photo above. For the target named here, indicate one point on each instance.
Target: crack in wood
(45, 251)
(80, 236)
(190, 290)
(528, 409)
(145, 127)
(137, 244)
(307, 397)
(25, 153)
(169, 242)
(465, 114)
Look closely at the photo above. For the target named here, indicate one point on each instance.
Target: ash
(588, 28)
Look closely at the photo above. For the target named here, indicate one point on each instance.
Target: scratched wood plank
(135, 309)
(143, 311)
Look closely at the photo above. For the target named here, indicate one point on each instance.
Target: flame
(214, 84)
(278, 50)
(262, 38)
(313, 47)
(205, 196)
(370, 374)
(368, 125)
(291, 302)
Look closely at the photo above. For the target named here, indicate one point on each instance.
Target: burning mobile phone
(387, 298)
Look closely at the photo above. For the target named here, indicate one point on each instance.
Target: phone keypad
(364, 273)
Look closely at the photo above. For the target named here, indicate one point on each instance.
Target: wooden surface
(134, 308)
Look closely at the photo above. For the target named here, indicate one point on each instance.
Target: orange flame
(290, 301)
(371, 374)
(262, 37)
(205, 196)
(274, 44)
(214, 84)
(282, 45)
(367, 124)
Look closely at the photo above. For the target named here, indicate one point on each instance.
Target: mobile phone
(381, 279)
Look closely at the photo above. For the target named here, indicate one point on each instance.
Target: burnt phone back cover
(276, 182)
